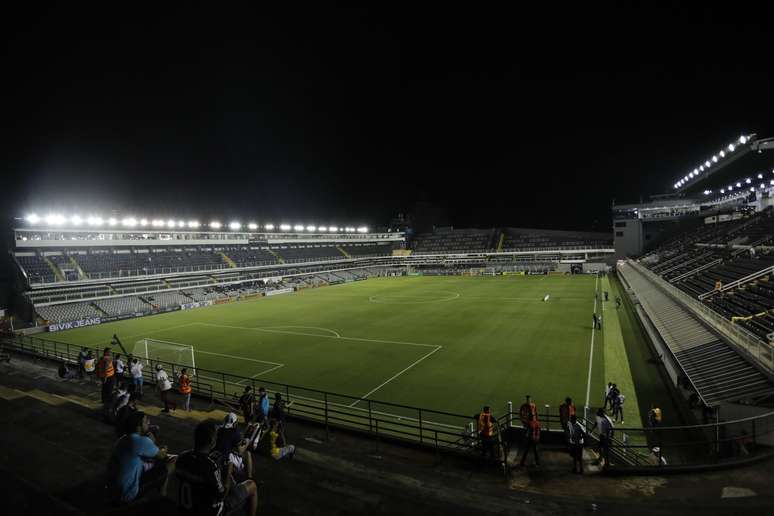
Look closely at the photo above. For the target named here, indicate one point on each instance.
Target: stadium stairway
(343, 252)
(57, 272)
(99, 309)
(77, 267)
(276, 255)
(228, 260)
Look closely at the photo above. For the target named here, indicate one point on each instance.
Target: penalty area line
(394, 377)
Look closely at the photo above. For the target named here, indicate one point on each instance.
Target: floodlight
(752, 189)
(253, 226)
(730, 147)
(235, 226)
(701, 168)
(707, 164)
(215, 225)
(696, 171)
(760, 176)
(33, 218)
(181, 223)
(269, 227)
(94, 221)
(298, 227)
(334, 229)
(112, 221)
(763, 185)
(771, 182)
(310, 228)
(143, 222)
(747, 181)
(322, 228)
(285, 227)
(170, 223)
(742, 140)
(685, 179)
(722, 154)
(75, 220)
(193, 224)
(738, 185)
(157, 223)
(350, 230)
(362, 229)
(714, 159)
(690, 175)
(129, 222)
(722, 191)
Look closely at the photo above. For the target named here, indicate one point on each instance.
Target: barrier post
(510, 414)
(421, 437)
(325, 402)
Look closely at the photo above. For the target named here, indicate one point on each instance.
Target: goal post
(165, 351)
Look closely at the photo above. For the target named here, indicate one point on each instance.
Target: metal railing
(382, 420)
(746, 341)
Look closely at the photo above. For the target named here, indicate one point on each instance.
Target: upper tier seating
(250, 256)
(38, 271)
(369, 249)
(464, 240)
(526, 239)
(308, 252)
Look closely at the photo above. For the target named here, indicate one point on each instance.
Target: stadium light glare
(748, 181)
(690, 175)
(738, 185)
(215, 225)
(54, 219)
(129, 222)
(285, 227)
(771, 182)
(170, 223)
(333, 229)
(235, 226)
(76, 220)
(763, 186)
(696, 171)
(707, 164)
(95, 221)
(143, 222)
(310, 228)
(685, 179)
(752, 189)
(269, 227)
(157, 223)
(252, 226)
(298, 227)
(112, 221)
(322, 228)
(731, 147)
(742, 139)
(701, 168)
(722, 154)
(181, 223)
(362, 229)
(760, 176)
(193, 224)
(707, 192)
(32, 218)
(349, 230)
(722, 191)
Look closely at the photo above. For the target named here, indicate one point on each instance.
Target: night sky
(530, 118)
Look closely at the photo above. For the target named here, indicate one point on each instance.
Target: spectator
(82, 354)
(247, 403)
(576, 440)
(207, 487)
(185, 389)
(486, 422)
(107, 375)
(607, 395)
(119, 400)
(605, 427)
(228, 435)
(90, 365)
(527, 408)
(279, 448)
(120, 368)
(657, 457)
(164, 386)
(262, 412)
(618, 403)
(123, 413)
(278, 411)
(531, 439)
(65, 372)
(136, 372)
(566, 410)
(654, 416)
(136, 464)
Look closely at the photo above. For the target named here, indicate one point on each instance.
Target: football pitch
(450, 344)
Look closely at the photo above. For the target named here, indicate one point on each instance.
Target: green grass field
(445, 343)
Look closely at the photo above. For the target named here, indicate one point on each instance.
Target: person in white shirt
(120, 368)
(136, 371)
(165, 386)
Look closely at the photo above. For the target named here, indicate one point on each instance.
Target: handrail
(736, 283)
(695, 271)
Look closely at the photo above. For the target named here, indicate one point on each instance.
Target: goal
(150, 350)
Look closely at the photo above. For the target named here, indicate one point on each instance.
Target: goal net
(152, 350)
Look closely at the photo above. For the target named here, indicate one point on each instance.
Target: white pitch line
(335, 333)
(238, 357)
(378, 341)
(256, 375)
(394, 377)
(152, 331)
(591, 352)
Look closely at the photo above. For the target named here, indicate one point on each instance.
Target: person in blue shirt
(137, 465)
(263, 406)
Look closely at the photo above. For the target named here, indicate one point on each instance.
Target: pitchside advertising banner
(74, 324)
(279, 291)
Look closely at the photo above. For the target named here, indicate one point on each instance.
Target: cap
(230, 420)
(159, 367)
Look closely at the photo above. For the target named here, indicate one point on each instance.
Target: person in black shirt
(229, 435)
(207, 486)
(247, 403)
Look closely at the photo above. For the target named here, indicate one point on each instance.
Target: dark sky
(518, 117)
